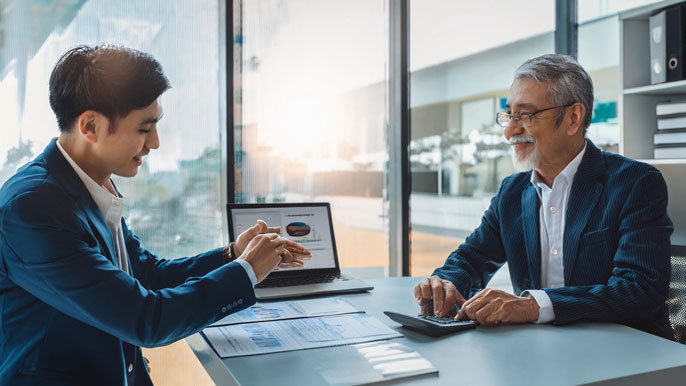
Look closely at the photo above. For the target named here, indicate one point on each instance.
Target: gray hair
(567, 82)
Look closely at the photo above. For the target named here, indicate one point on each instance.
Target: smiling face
(101, 150)
(540, 145)
(122, 150)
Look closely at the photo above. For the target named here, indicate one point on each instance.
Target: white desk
(608, 354)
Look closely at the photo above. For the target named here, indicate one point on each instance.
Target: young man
(585, 233)
(78, 292)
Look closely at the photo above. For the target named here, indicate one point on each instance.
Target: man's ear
(92, 125)
(576, 114)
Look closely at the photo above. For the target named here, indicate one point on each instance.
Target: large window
(311, 114)
(463, 56)
(175, 202)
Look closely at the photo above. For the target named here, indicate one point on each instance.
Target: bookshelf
(638, 120)
(637, 109)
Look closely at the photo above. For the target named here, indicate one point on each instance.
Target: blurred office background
(304, 87)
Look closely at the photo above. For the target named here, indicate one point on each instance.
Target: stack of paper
(297, 325)
(375, 362)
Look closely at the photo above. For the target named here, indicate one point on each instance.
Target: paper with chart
(294, 309)
(296, 334)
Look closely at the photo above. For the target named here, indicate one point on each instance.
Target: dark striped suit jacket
(616, 244)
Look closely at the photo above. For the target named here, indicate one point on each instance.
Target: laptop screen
(308, 224)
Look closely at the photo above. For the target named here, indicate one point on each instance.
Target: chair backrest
(676, 301)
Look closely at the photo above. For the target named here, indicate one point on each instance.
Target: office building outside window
(311, 114)
(175, 201)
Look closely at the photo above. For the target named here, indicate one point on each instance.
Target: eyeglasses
(522, 119)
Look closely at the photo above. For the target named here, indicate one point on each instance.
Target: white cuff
(546, 314)
(248, 269)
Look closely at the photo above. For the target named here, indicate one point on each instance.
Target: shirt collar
(567, 173)
(111, 206)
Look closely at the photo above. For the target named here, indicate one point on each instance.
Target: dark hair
(111, 80)
(567, 82)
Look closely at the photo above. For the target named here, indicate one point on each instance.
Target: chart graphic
(298, 229)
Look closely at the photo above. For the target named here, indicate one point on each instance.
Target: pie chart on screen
(298, 229)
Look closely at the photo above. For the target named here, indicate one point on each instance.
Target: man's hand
(294, 255)
(263, 253)
(244, 238)
(491, 307)
(437, 296)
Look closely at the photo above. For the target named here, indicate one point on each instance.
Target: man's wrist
(534, 309)
(229, 253)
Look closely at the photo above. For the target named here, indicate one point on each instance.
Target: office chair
(676, 300)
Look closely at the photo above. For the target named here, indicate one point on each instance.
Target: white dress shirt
(551, 215)
(112, 209)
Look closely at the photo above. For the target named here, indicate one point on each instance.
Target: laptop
(310, 225)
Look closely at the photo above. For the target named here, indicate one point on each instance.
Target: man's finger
(299, 256)
(473, 299)
(273, 229)
(438, 294)
(473, 305)
(449, 301)
(286, 257)
(487, 315)
(425, 287)
(293, 246)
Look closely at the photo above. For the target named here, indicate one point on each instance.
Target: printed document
(374, 362)
(296, 334)
(294, 309)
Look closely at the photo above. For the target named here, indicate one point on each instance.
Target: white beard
(527, 162)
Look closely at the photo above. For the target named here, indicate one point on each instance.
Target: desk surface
(506, 355)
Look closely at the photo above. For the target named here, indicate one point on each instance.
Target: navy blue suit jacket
(616, 251)
(69, 315)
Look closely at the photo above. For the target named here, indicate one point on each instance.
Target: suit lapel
(72, 184)
(531, 234)
(586, 190)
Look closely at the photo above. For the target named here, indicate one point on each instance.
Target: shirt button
(554, 252)
(552, 209)
(228, 306)
(235, 304)
(240, 301)
(223, 309)
(130, 367)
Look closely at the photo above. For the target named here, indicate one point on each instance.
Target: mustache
(522, 139)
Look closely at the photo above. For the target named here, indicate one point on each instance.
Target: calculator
(431, 325)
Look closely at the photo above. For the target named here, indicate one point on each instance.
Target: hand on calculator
(438, 297)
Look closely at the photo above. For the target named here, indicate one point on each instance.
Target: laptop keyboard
(300, 280)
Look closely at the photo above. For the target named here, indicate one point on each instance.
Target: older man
(585, 233)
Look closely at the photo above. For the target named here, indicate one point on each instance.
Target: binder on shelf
(674, 39)
(670, 136)
(677, 150)
(671, 123)
(658, 49)
(671, 108)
